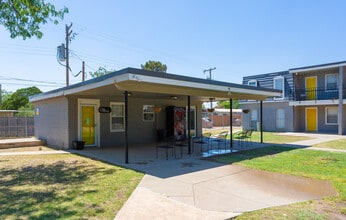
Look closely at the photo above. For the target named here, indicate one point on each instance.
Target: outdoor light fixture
(211, 109)
(157, 109)
(174, 97)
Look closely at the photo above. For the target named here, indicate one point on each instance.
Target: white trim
(96, 103)
(315, 103)
(110, 117)
(306, 118)
(283, 87)
(316, 68)
(252, 81)
(326, 114)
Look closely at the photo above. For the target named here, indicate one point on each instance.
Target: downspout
(341, 99)
(231, 123)
(261, 119)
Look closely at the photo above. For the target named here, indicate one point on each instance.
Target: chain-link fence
(16, 127)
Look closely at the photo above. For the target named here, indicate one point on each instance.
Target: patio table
(166, 148)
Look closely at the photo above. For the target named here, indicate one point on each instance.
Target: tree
(24, 17)
(19, 98)
(225, 104)
(156, 66)
(4, 96)
(26, 110)
(100, 72)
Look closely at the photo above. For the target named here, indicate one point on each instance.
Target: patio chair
(168, 145)
(204, 139)
(241, 137)
(221, 140)
(248, 136)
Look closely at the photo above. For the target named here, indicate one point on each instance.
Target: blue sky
(239, 38)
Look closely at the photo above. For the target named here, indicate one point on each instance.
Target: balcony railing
(315, 94)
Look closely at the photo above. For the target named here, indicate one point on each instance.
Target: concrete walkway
(199, 189)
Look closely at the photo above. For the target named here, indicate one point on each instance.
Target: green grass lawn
(300, 162)
(276, 138)
(268, 137)
(337, 144)
(62, 186)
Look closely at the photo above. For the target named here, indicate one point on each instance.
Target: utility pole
(68, 34)
(209, 70)
(83, 71)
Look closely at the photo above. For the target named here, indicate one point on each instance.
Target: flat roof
(138, 80)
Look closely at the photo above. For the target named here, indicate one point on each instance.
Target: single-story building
(130, 106)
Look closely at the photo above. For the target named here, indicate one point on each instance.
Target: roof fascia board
(307, 69)
(72, 90)
(173, 82)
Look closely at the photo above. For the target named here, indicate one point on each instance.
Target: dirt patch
(292, 186)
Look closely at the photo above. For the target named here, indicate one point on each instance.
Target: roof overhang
(318, 67)
(143, 83)
(135, 80)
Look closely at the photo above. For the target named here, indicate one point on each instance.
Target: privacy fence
(16, 127)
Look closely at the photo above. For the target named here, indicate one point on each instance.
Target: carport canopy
(158, 83)
(152, 84)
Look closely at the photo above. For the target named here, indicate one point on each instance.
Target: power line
(29, 80)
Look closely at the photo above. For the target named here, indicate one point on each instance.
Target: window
(254, 115)
(253, 118)
(148, 113)
(252, 82)
(280, 118)
(331, 82)
(331, 115)
(279, 84)
(117, 116)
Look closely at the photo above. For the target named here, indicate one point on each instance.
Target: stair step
(21, 142)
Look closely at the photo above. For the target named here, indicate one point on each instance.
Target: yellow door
(311, 119)
(310, 86)
(88, 124)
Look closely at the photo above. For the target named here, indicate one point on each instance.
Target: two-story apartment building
(313, 100)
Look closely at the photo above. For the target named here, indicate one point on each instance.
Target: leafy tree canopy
(156, 66)
(19, 98)
(100, 72)
(24, 17)
(225, 104)
(26, 110)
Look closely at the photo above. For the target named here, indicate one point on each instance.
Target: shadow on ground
(45, 191)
